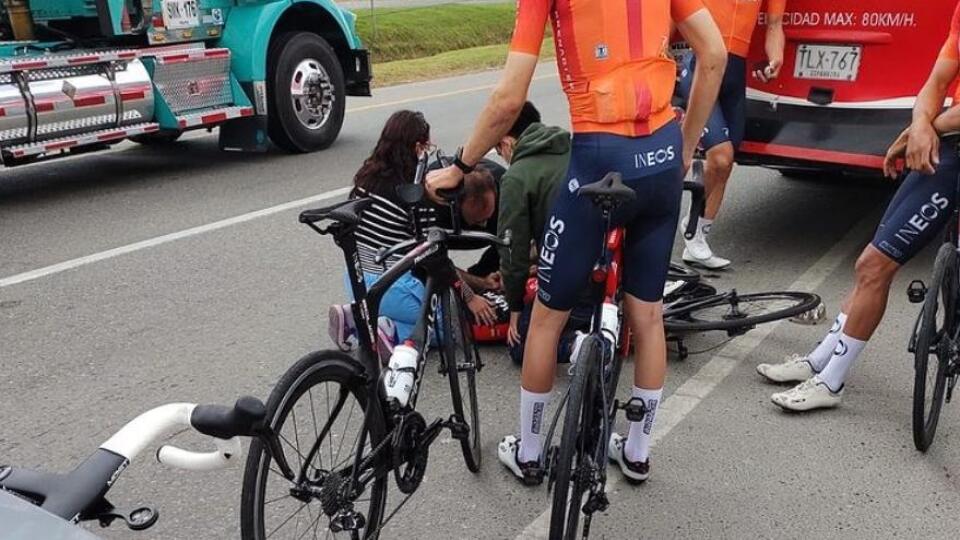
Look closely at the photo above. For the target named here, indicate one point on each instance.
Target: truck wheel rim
(311, 93)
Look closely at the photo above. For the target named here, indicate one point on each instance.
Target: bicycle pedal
(635, 409)
(458, 430)
(596, 503)
(917, 291)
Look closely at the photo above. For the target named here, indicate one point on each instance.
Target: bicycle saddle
(347, 212)
(610, 191)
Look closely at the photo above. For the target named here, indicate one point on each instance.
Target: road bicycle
(576, 468)
(341, 432)
(936, 339)
(80, 495)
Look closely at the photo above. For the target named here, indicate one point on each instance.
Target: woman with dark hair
(385, 223)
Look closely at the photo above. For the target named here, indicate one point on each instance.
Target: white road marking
(440, 95)
(156, 241)
(695, 389)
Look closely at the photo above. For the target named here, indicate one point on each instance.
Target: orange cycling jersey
(612, 57)
(737, 19)
(951, 47)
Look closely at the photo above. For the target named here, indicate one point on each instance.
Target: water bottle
(401, 372)
(610, 323)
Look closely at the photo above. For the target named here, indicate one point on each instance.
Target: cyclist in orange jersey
(724, 131)
(619, 80)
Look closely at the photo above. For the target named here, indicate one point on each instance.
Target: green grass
(401, 34)
(447, 64)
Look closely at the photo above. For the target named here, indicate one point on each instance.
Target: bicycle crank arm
(432, 432)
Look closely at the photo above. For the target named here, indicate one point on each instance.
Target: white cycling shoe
(529, 473)
(697, 252)
(809, 395)
(634, 472)
(796, 368)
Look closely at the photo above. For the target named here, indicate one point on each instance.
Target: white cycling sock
(637, 447)
(705, 225)
(846, 353)
(533, 407)
(820, 355)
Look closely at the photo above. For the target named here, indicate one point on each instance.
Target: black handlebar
(242, 420)
(698, 200)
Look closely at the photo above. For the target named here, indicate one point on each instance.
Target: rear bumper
(357, 72)
(816, 137)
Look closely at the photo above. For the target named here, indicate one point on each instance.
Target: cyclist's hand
(896, 152)
(445, 178)
(770, 71)
(482, 310)
(923, 148)
(513, 333)
(688, 151)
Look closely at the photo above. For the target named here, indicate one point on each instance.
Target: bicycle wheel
(732, 311)
(575, 458)
(320, 401)
(462, 362)
(935, 342)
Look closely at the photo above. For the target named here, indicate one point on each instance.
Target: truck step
(63, 143)
(212, 116)
(9, 65)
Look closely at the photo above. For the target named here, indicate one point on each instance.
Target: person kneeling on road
(918, 212)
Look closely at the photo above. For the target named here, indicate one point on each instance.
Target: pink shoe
(342, 331)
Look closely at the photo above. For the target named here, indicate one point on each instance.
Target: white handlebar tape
(228, 452)
(161, 422)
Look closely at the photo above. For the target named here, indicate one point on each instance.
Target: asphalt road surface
(147, 275)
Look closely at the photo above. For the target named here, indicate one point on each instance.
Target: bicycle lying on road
(81, 494)
(344, 467)
(576, 468)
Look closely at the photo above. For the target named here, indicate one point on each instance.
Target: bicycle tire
(681, 317)
(313, 370)
(943, 289)
(575, 445)
(462, 362)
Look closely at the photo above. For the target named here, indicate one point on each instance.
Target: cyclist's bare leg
(719, 167)
(540, 350)
(868, 301)
(650, 345)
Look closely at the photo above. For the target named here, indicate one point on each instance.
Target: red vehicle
(851, 72)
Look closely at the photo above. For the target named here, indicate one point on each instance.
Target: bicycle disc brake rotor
(409, 458)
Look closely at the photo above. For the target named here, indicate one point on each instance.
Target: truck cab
(77, 75)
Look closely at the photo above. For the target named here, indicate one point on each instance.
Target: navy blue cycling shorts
(728, 119)
(574, 233)
(921, 207)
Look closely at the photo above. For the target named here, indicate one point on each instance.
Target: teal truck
(80, 75)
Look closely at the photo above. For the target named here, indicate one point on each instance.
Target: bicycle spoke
(291, 516)
(280, 498)
(327, 392)
(316, 434)
(292, 447)
(296, 435)
(342, 436)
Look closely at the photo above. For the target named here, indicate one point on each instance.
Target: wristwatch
(464, 168)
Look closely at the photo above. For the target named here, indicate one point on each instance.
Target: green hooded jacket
(527, 190)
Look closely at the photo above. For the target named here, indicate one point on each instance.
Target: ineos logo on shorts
(548, 252)
(654, 157)
(841, 349)
(928, 213)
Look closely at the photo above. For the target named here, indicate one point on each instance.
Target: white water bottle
(401, 372)
(610, 323)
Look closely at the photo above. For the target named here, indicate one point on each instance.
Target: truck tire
(158, 138)
(311, 120)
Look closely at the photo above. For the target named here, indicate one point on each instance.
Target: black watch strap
(466, 169)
